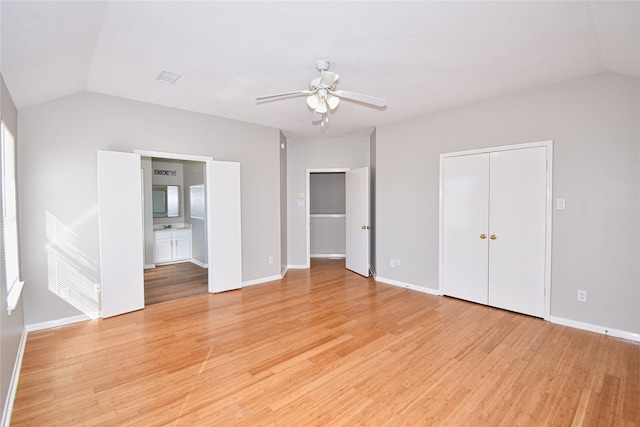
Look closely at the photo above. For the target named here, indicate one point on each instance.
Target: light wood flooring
(174, 281)
(325, 347)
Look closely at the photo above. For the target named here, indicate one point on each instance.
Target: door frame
(548, 211)
(186, 157)
(307, 200)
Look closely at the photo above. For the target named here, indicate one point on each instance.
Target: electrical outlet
(582, 295)
(270, 260)
(397, 262)
(393, 263)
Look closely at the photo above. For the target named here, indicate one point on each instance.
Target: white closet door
(121, 234)
(465, 224)
(518, 206)
(357, 220)
(224, 223)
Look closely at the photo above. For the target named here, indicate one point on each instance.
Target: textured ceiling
(420, 56)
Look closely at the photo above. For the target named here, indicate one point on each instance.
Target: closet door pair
(494, 228)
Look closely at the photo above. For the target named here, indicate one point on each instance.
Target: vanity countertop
(180, 226)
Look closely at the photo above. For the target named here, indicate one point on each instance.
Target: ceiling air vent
(168, 77)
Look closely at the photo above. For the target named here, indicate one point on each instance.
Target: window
(10, 219)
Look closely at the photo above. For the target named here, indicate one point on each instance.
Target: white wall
(310, 153)
(11, 326)
(194, 174)
(58, 170)
(594, 123)
(147, 195)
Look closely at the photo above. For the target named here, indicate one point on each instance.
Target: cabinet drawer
(162, 234)
(177, 234)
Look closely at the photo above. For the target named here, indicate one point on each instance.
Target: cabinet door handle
(493, 237)
(483, 236)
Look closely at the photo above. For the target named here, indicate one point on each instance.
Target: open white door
(121, 232)
(224, 226)
(357, 220)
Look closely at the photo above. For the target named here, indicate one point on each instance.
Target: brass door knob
(493, 237)
(366, 227)
(483, 236)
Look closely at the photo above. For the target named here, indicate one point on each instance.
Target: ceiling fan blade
(315, 116)
(328, 79)
(367, 99)
(278, 95)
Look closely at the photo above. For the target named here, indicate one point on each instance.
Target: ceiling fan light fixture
(322, 107)
(313, 101)
(323, 95)
(332, 101)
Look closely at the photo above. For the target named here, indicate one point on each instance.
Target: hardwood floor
(325, 347)
(174, 281)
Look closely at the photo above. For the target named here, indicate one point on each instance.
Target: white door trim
(174, 156)
(307, 200)
(549, 210)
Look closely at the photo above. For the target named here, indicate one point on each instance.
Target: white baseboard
(200, 264)
(261, 280)
(284, 271)
(618, 333)
(149, 266)
(408, 286)
(327, 256)
(298, 267)
(60, 322)
(13, 385)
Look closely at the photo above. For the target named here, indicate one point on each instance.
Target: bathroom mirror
(166, 201)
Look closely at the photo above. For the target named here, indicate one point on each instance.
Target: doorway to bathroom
(175, 229)
(121, 229)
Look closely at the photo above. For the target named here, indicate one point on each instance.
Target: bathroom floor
(174, 281)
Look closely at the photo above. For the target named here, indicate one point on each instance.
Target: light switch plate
(560, 204)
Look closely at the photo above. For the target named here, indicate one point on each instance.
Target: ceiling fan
(323, 95)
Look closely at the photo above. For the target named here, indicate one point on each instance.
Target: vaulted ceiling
(421, 56)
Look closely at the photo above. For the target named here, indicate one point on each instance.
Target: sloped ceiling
(420, 56)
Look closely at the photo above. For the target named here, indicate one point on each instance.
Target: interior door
(466, 224)
(518, 224)
(224, 225)
(121, 232)
(357, 220)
